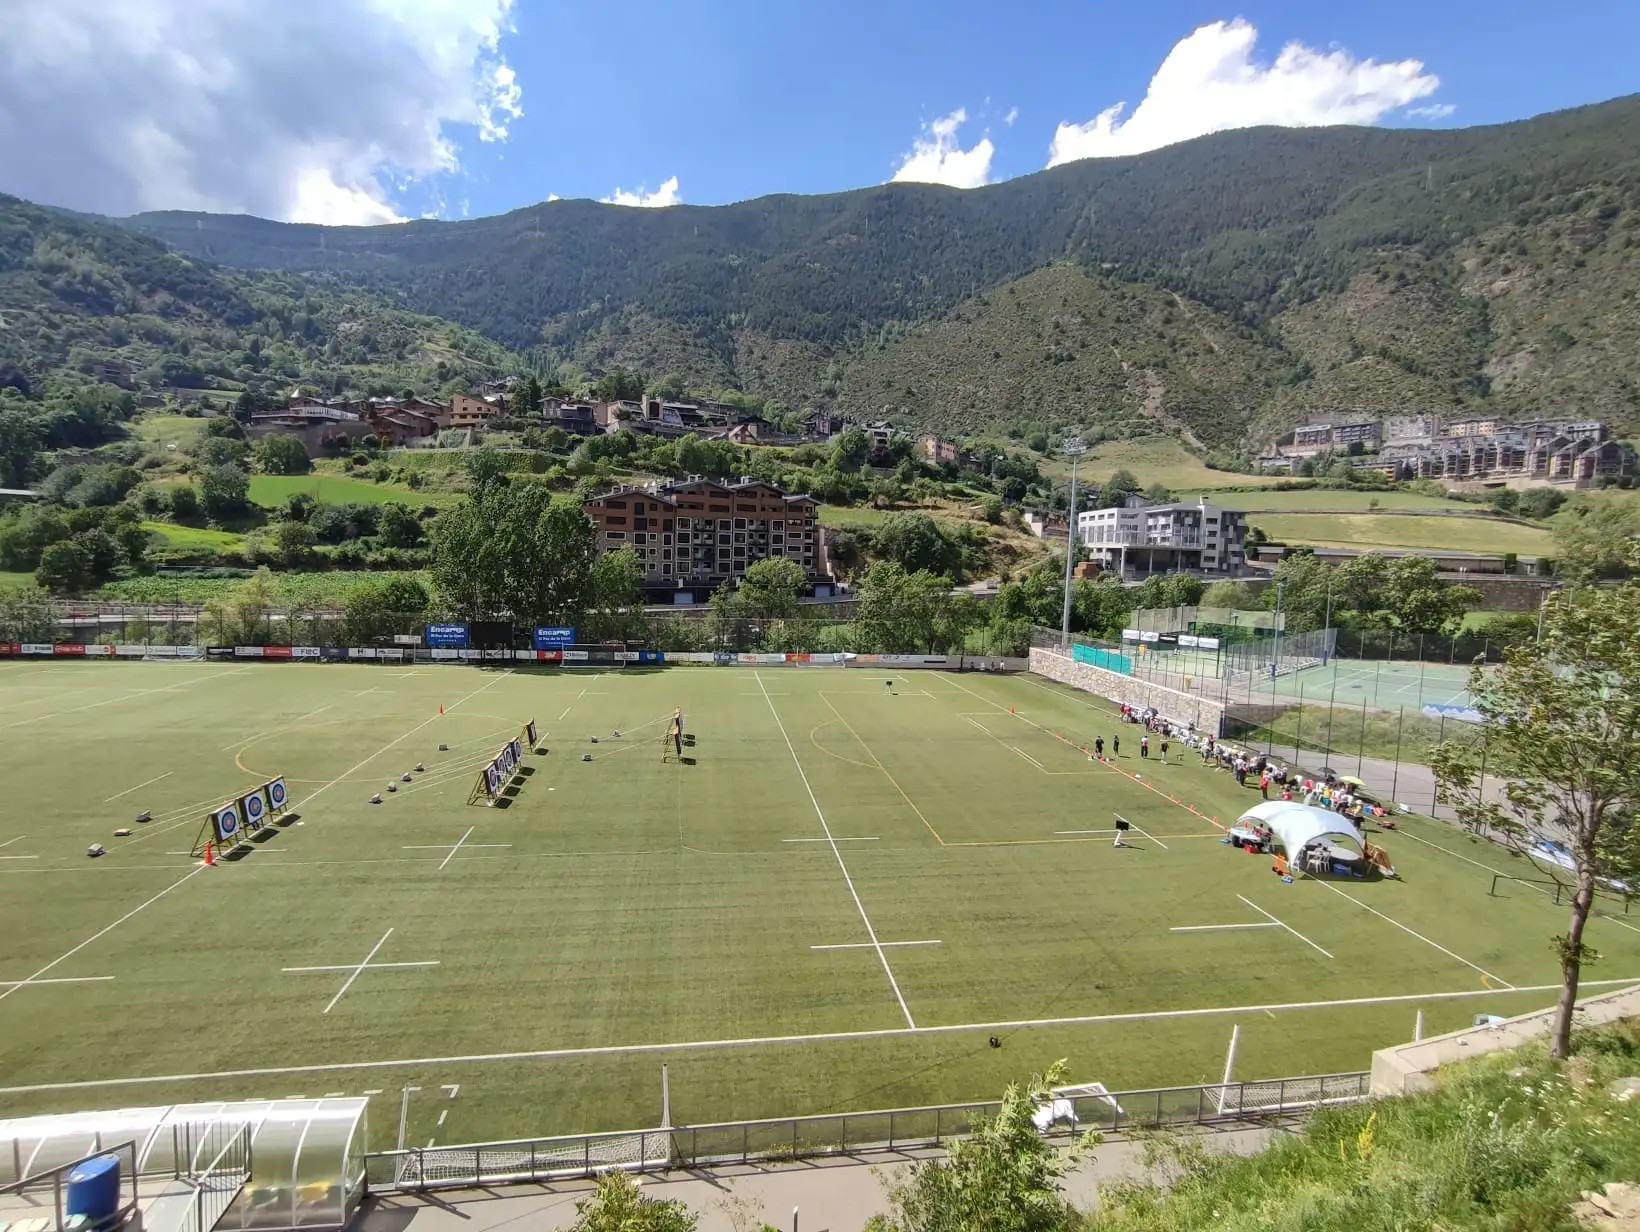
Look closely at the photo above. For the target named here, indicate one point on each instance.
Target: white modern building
(1135, 540)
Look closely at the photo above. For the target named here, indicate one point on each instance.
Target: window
(615, 520)
(639, 536)
(684, 537)
(740, 536)
(615, 504)
(740, 523)
(723, 541)
(666, 541)
(640, 523)
(615, 534)
(683, 523)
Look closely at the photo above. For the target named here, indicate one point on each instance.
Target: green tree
(1422, 602)
(1115, 491)
(222, 450)
(620, 385)
(65, 568)
(1594, 534)
(102, 553)
(283, 455)
(910, 613)
(25, 534)
(916, 542)
(19, 443)
(133, 543)
(511, 549)
(398, 526)
(184, 502)
(1562, 723)
(293, 543)
(617, 1206)
(614, 598)
(26, 615)
(380, 609)
(771, 589)
(1238, 596)
(850, 451)
(532, 397)
(244, 616)
(1005, 1177)
(222, 492)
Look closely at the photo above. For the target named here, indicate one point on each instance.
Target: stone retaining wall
(1181, 707)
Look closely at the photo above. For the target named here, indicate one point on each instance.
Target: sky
(373, 111)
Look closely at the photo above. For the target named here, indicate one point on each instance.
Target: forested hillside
(77, 292)
(1357, 269)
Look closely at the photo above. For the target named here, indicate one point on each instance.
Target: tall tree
(1562, 729)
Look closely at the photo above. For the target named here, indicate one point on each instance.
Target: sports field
(849, 891)
(1355, 682)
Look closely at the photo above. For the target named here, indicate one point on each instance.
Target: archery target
(226, 819)
(276, 793)
(255, 810)
(492, 778)
(529, 730)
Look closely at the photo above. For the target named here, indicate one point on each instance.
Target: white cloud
(1211, 82)
(307, 110)
(938, 158)
(666, 194)
(1435, 111)
(1013, 114)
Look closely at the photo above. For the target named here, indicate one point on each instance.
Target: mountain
(1222, 287)
(77, 291)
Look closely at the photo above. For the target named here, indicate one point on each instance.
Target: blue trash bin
(92, 1189)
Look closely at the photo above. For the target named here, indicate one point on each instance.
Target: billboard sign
(554, 637)
(447, 635)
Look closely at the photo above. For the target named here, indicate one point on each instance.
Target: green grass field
(833, 908)
(164, 430)
(1333, 500)
(1387, 530)
(15, 581)
(272, 490)
(1154, 459)
(201, 538)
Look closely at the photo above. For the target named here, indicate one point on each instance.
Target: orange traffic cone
(210, 855)
(1010, 709)
(441, 707)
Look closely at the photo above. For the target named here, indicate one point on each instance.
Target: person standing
(1144, 746)
(1116, 745)
(1099, 747)
(1164, 750)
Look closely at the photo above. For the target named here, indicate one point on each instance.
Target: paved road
(834, 1195)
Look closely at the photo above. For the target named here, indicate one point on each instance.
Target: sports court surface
(834, 908)
(1355, 682)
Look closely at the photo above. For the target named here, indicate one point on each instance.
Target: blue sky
(365, 111)
(738, 99)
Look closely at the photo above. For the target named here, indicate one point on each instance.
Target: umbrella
(1352, 781)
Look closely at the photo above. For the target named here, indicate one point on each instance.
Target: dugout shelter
(307, 1155)
(1303, 831)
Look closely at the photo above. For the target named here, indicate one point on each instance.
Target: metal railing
(790, 1138)
(54, 1177)
(218, 1183)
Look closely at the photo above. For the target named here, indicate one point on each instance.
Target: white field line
(274, 731)
(104, 931)
(1411, 933)
(61, 979)
(170, 688)
(866, 945)
(1220, 928)
(766, 1041)
(1478, 864)
(10, 841)
(1027, 757)
(872, 839)
(1281, 924)
(350, 967)
(1065, 832)
(118, 794)
(349, 984)
(19, 857)
(847, 880)
(1135, 825)
(456, 848)
(397, 740)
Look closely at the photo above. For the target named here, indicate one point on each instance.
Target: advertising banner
(165, 652)
(9, 649)
(1130, 635)
(361, 652)
(188, 652)
(449, 636)
(304, 652)
(36, 648)
(1207, 643)
(276, 652)
(248, 652)
(472, 656)
(445, 656)
(388, 654)
(132, 652)
(554, 637)
(1150, 635)
(68, 650)
(575, 656)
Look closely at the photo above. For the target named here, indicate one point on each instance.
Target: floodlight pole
(1327, 625)
(1074, 449)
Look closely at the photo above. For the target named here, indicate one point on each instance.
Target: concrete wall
(1407, 1068)
(1173, 704)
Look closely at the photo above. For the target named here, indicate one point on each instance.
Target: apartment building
(1137, 539)
(697, 532)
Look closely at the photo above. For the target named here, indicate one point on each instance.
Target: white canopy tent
(1296, 826)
